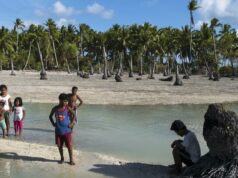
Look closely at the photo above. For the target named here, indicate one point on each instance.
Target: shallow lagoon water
(133, 133)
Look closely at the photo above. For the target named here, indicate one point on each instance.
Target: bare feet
(72, 163)
(61, 161)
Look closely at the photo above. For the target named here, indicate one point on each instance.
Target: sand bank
(197, 90)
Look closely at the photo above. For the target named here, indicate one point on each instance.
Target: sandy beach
(45, 158)
(197, 90)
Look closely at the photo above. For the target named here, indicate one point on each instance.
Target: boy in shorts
(185, 151)
(64, 123)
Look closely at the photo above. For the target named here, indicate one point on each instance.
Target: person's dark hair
(3, 86)
(63, 97)
(178, 125)
(20, 101)
(74, 88)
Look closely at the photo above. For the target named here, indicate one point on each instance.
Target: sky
(102, 14)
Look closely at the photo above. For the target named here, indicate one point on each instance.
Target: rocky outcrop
(220, 131)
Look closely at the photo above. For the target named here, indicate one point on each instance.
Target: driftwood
(168, 79)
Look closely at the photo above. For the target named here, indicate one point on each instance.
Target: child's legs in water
(20, 126)
(7, 120)
(15, 127)
(3, 126)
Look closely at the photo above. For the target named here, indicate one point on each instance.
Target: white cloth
(5, 99)
(18, 113)
(191, 145)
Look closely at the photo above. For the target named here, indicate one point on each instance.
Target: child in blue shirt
(64, 123)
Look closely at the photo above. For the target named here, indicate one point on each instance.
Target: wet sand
(28, 156)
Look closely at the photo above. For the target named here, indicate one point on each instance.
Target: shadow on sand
(132, 170)
(15, 156)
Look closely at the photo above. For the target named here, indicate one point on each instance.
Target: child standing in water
(73, 98)
(6, 99)
(19, 115)
(64, 123)
(2, 120)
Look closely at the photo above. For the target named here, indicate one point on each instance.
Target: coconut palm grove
(135, 49)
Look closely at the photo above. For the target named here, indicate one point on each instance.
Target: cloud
(62, 10)
(200, 23)
(27, 23)
(222, 9)
(64, 21)
(41, 13)
(98, 9)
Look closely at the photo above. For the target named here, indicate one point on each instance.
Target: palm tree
(53, 36)
(39, 35)
(192, 6)
(228, 45)
(7, 46)
(215, 23)
(18, 25)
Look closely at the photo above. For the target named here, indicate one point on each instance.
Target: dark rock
(168, 79)
(118, 78)
(220, 131)
(186, 77)
(138, 78)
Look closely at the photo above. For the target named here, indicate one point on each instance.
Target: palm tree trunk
(12, 67)
(91, 69)
(232, 67)
(186, 76)
(78, 71)
(120, 72)
(191, 40)
(67, 63)
(55, 55)
(99, 67)
(17, 43)
(215, 53)
(105, 64)
(113, 63)
(131, 66)
(141, 64)
(28, 57)
(43, 72)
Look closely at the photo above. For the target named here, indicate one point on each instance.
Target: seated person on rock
(185, 151)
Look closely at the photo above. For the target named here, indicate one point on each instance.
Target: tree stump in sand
(220, 131)
(216, 76)
(85, 75)
(43, 75)
(118, 78)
